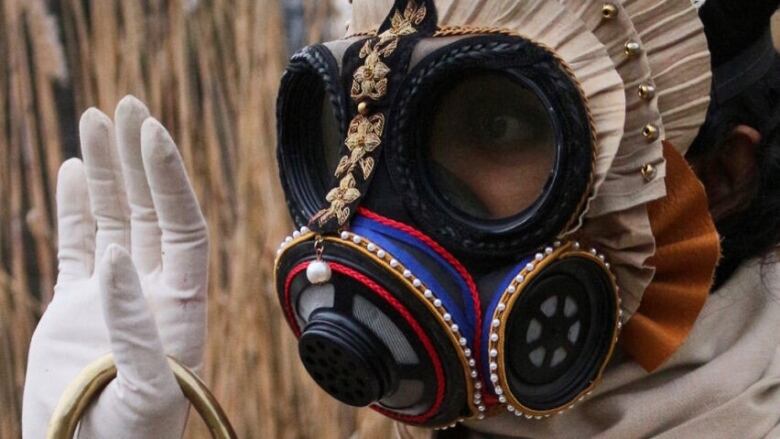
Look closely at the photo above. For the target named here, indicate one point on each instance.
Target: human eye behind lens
(494, 137)
(504, 121)
(502, 130)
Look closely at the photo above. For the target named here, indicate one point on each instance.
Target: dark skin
(731, 177)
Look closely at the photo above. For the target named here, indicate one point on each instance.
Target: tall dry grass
(209, 71)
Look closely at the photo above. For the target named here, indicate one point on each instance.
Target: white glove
(140, 305)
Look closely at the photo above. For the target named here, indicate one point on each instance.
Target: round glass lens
(491, 148)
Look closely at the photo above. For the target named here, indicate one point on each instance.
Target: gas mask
(470, 181)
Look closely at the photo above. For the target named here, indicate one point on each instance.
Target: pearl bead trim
(498, 379)
(459, 342)
(443, 315)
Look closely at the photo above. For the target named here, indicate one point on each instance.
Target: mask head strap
(373, 69)
(736, 75)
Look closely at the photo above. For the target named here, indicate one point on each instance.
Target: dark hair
(755, 230)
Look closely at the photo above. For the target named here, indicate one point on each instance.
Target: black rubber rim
(311, 75)
(455, 398)
(548, 387)
(534, 68)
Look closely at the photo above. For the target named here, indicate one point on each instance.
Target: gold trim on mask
(466, 356)
(363, 138)
(498, 333)
(434, 305)
(369, 83)
(451, 31)
(454, 31)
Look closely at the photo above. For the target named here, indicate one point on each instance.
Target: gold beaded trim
(498, 326)
(467, 357)
(370, 33)
(297, 237)
(609, 11)
(432, 302)
(369, 84)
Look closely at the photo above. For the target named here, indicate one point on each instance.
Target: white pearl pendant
(318, 272)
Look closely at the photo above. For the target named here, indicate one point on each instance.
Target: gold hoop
(90, 382)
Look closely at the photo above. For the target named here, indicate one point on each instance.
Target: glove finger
(184, 237)
(142, 367)
(145, 232)
(75, 223)
(119, 413)
(145, 399)
(105, 181)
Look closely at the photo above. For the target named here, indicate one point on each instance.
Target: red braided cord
(387, 297)
(287, 305)
(489, 399)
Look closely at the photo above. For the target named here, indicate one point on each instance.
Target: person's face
(492, 146)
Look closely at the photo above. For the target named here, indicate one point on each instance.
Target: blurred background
(209, 70)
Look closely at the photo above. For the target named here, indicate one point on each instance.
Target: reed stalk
(209, 70)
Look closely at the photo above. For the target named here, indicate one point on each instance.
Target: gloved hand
(133, 256)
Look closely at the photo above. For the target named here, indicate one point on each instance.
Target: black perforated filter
(345, 359)
(560, 331)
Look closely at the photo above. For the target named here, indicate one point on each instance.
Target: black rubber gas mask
(434, 182)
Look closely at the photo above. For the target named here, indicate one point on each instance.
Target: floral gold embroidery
(370, 81)
(364, 136)
(339, 198)
(405, 24)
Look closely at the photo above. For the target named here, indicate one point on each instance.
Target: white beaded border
(467, 356)
(299, 235)
(557, 250)
(458, 339)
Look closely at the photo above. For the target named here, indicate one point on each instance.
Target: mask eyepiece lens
(491, 147)
(559, 333)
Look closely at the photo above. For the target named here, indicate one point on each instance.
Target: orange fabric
(688, 250)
